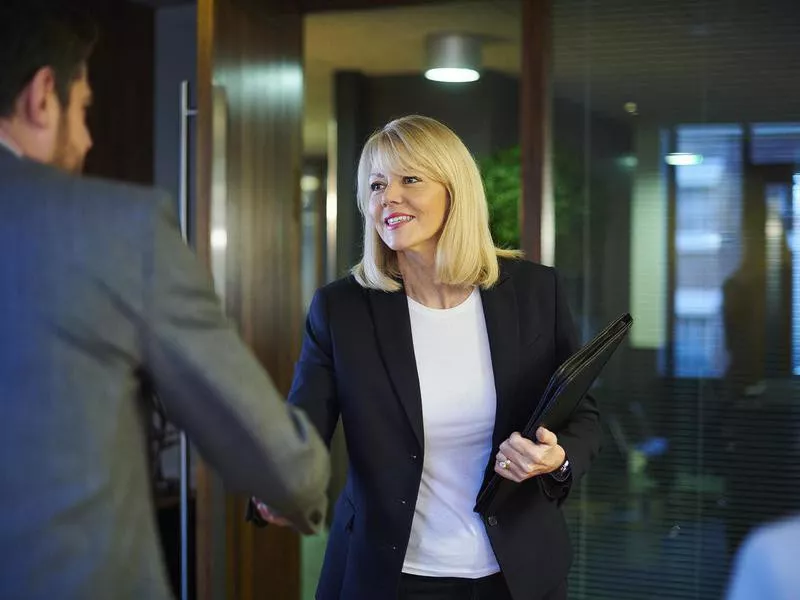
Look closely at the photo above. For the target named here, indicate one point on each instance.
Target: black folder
(563, 394)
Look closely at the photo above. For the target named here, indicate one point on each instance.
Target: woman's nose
(391, 195)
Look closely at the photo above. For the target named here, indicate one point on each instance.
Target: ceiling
(392, 41)
(679, 60)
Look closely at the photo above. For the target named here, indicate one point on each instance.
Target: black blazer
(358, 362)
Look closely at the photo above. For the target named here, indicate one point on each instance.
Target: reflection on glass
(219, 190)
(703, 407)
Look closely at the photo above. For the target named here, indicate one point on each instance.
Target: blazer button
(413, 457)
(403, 502)
(492, 520)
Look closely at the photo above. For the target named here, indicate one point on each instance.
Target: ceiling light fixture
(683, 159)
(453, 57)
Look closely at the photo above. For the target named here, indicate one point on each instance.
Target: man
(98, 294)
(766, 566)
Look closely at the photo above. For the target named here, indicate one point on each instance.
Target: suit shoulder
(37, 174)
(336, 301)
(136, 195)
(777, 535)
(528, 271)
(345, 287)
(40, 187)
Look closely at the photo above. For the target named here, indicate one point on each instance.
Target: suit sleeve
(213, 387)
(582, 436)
(760, 567)
(314, 385)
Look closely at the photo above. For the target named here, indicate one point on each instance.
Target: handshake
(260, 514)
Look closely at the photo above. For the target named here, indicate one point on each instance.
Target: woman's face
(407, 211)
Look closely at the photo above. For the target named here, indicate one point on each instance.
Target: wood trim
(253, 50)
(204, 526)
(535, 115)
(204, 126)
(311, 6)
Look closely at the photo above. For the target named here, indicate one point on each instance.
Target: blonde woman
(433, 353)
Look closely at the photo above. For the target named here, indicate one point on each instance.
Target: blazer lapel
(502, 327)
(393, 327)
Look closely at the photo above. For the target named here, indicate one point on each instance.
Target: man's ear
(38, 101)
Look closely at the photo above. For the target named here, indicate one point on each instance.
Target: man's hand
(270, 517)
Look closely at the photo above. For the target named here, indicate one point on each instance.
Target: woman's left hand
(519, 458)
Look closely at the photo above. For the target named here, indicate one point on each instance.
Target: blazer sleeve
(214, 388)
(314, 384)
(581, 437)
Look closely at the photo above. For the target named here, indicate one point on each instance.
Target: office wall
(175, 61)
(121, 74)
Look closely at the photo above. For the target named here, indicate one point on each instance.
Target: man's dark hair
(41, 33)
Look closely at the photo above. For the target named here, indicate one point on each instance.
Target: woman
(434, 352)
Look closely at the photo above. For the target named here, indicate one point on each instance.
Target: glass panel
(707, 234)
(688, 137)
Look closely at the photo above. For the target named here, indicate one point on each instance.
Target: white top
(456, 381)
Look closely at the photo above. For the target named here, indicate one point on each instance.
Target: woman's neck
(419, 280)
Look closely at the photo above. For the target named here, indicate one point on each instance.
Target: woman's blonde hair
(465, 254)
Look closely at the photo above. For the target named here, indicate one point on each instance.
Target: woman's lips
(397, 220)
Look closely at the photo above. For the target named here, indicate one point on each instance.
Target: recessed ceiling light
(683, 159)
(452, 74)
(453, 57)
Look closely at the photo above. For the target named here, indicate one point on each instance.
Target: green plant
(502, 179)
(501, 174)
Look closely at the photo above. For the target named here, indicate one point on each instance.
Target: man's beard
(65, 157)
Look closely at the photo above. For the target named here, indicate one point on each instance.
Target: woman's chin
(395, 243)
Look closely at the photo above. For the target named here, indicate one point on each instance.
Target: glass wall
(683, 124)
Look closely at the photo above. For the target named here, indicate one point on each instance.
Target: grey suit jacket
(97, 291)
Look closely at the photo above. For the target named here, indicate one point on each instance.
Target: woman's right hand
(269, 516)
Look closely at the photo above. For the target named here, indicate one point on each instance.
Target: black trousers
(415, 587)
(493, 587)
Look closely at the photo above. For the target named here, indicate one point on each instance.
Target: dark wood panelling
(121, 72)
(253, 49)
(535, 97)
(330, 5)
(352, 130)
(205, 485)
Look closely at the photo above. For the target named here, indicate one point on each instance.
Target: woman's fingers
(520, 458)
(518, 454)
(547, 437)
(507, 468)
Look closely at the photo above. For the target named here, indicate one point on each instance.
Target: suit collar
(393, 329)
(502, 327)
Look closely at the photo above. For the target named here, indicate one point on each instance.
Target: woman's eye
(376, 186)
(410, 179)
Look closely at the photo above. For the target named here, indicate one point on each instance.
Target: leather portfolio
(563, 394)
